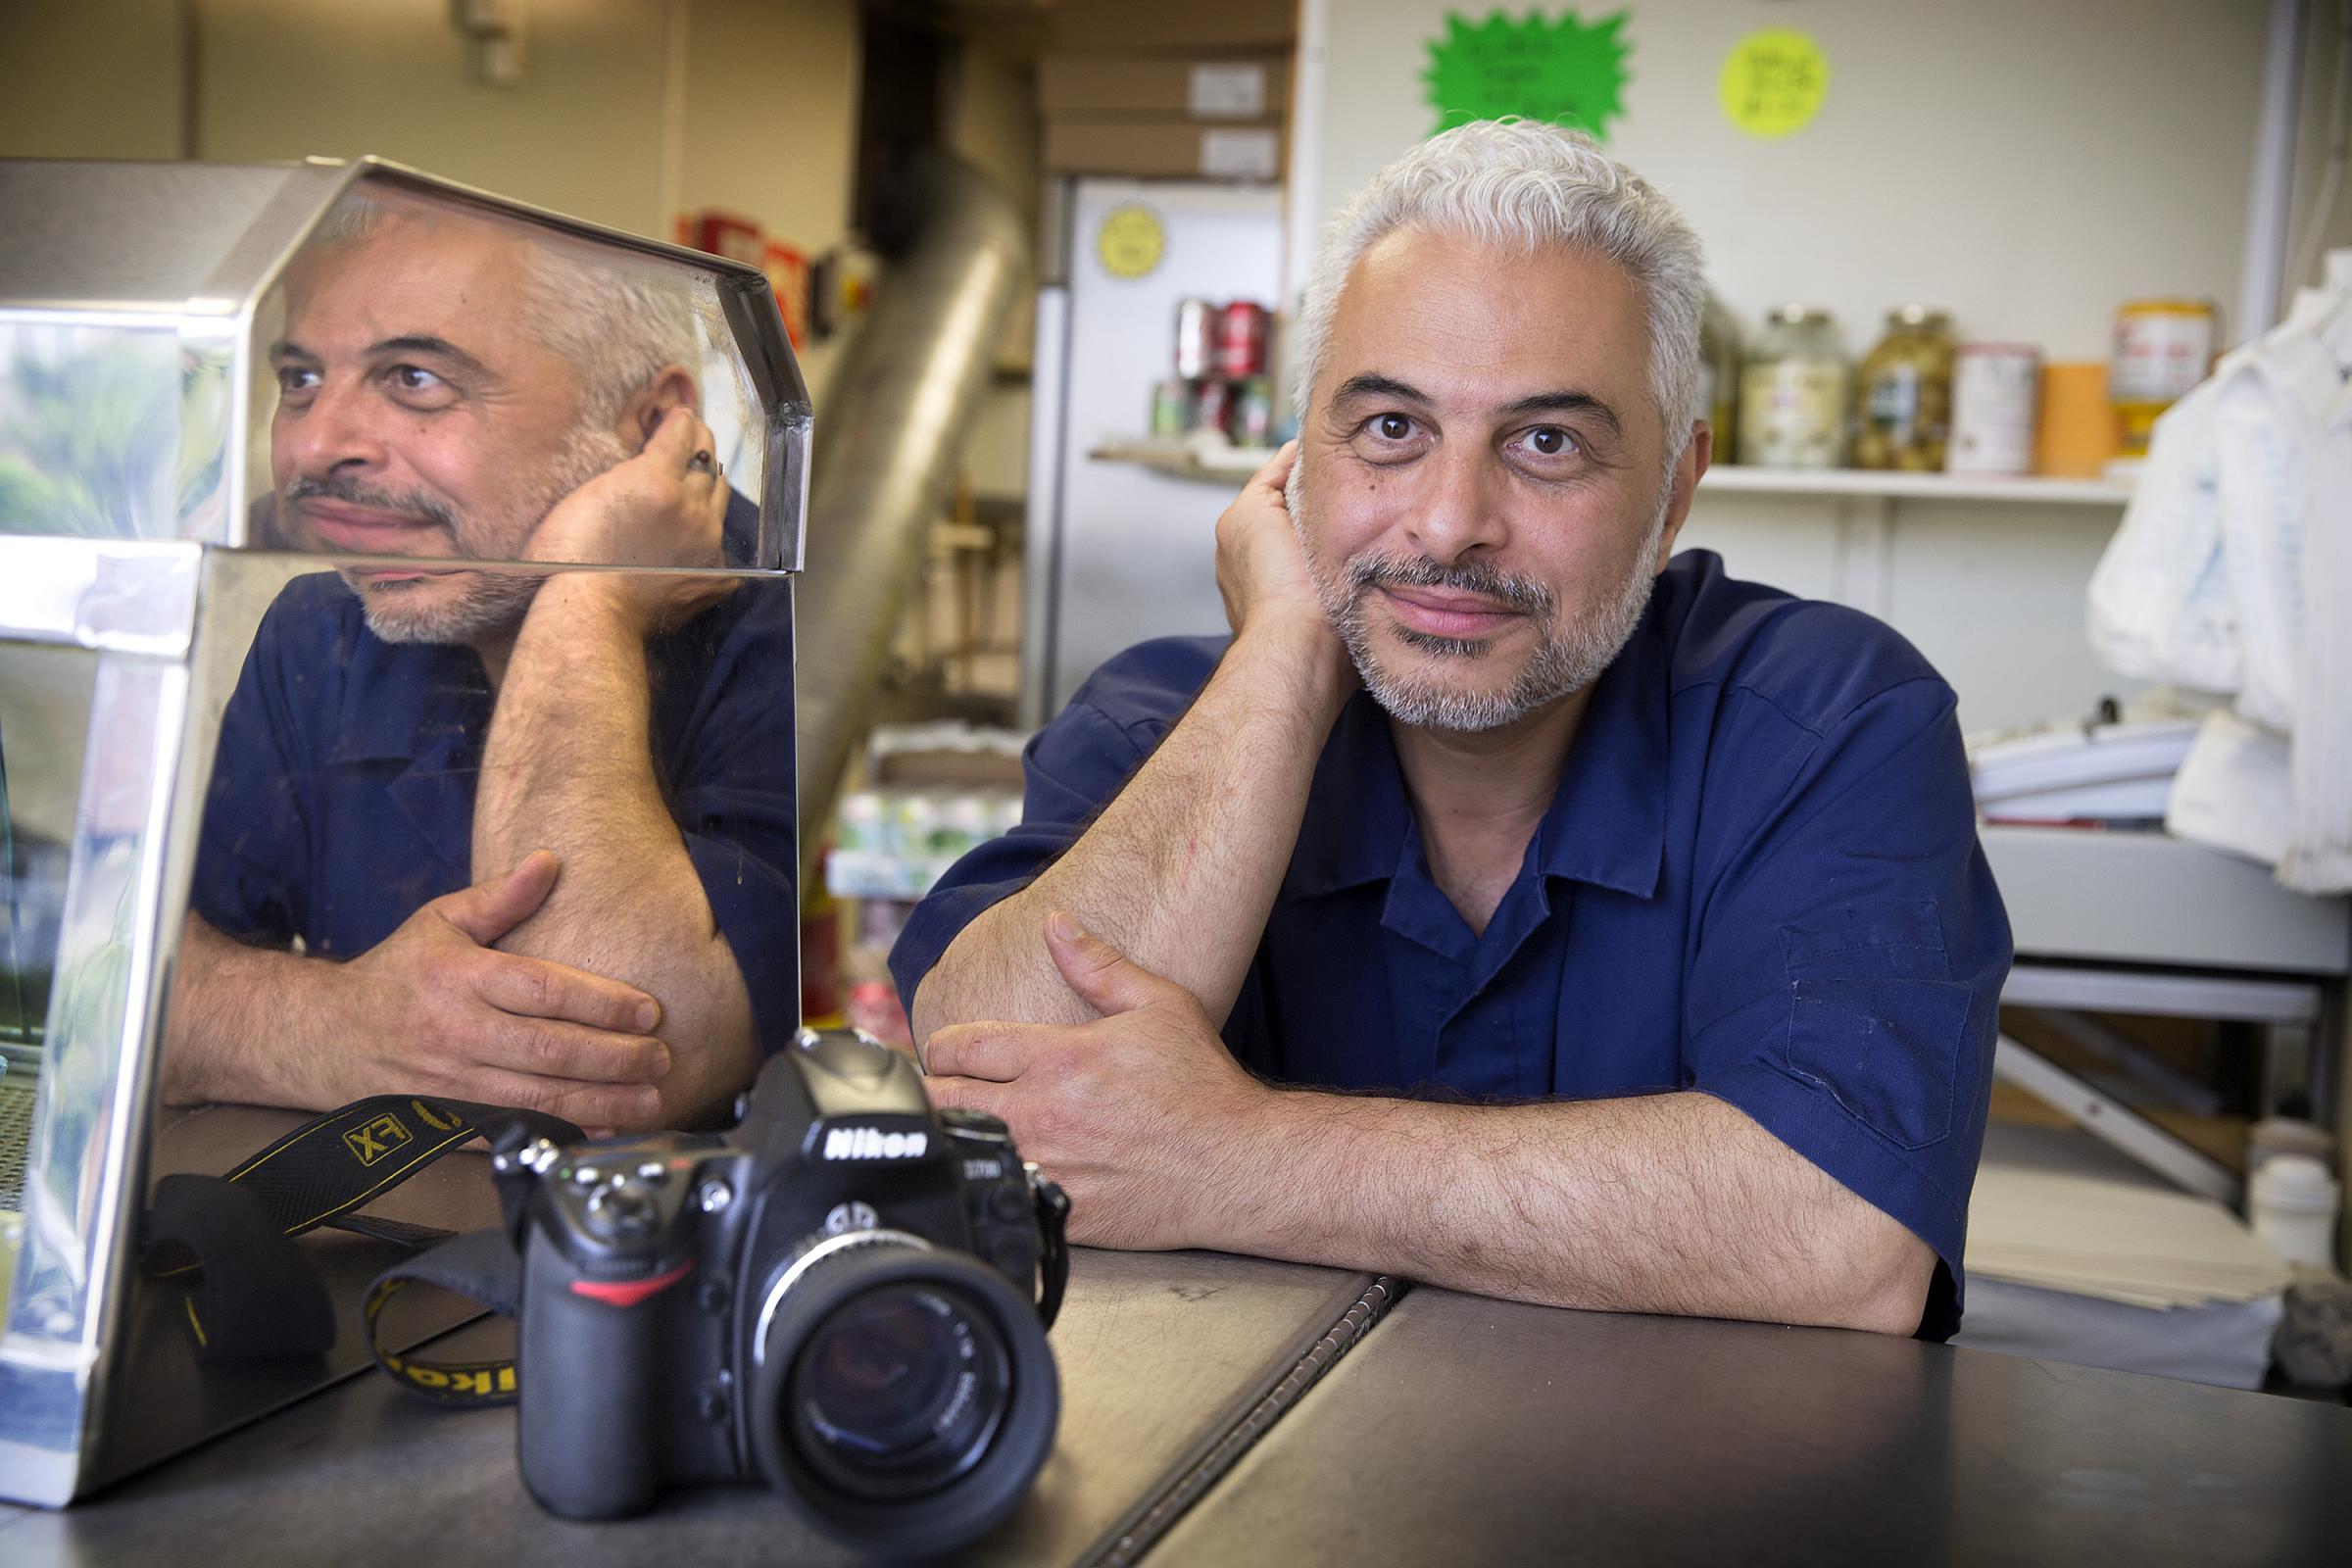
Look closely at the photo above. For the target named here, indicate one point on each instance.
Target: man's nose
(338, 428)
(1463, 514)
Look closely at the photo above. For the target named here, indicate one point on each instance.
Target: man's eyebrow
(1564, 400)
(1374, 385)
(284, 349)
(426, 343)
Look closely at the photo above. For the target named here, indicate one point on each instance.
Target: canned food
(1214, 410)
(1195, 338)
(1173, 406)
(1242, 341)
(1994, 389)
(1254, 413)
(2161, 350)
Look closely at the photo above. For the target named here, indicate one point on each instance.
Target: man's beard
(486, 602)
(1567, 659)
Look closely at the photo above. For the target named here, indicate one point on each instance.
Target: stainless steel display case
(137, 553)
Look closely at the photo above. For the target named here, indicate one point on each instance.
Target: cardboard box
(1121, 26)
(1153, 87)
(1177, 149)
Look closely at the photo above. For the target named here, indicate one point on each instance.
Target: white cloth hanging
(2232, 573)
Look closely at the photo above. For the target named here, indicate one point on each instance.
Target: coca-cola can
(1195, 338)
(1241, 340)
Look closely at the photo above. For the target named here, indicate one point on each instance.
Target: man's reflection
(496, 835)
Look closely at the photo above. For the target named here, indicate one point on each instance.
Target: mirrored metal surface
(395, 697)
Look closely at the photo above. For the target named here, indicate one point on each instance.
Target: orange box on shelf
(2080, 429)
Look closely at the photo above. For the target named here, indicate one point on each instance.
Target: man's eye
(1392, 427)
(1550, 440)
(415, 379)
(294, 380)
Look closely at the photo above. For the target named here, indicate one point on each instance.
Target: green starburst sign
(1563, 70)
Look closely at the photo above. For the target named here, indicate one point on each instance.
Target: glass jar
(1793, 392)
(1903, 397)
(1719, 375)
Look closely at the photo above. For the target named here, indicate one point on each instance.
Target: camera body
(845, 1295)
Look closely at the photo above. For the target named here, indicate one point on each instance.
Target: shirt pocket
(1875, 1019)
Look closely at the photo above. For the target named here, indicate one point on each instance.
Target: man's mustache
(406, 502)
(1523, 594)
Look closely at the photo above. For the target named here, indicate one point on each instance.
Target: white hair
(1520, 185)
(618, 328)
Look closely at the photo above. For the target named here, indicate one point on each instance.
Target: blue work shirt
(342, 797)
(1759, 878)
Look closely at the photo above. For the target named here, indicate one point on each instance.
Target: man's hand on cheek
(664, 507)
(1261, 566)
(1138, 1115)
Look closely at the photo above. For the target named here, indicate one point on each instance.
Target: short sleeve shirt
(342, 795)
(1759, 878)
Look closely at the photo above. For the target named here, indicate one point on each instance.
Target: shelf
(1222, 465)
(1738, 479)
(1185, 460)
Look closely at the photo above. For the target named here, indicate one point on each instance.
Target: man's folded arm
(1181, 866)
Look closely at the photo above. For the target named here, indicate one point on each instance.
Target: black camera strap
(250, 1295)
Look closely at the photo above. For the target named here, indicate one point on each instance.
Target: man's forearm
(248, 1025)
(569, 767)
(1181, 869)
(1673, 1202)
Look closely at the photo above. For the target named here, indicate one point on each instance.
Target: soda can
(1172, 407)
(1242, 341)
(1254, 413)
(1195, 338)
(1214, 410)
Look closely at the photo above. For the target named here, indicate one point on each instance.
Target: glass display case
(395, 697)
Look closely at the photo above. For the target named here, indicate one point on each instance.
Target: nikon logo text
(867, 1143)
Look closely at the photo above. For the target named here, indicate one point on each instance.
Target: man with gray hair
(1631, 918)
(500, 835)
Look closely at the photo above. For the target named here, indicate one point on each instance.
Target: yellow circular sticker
(1132, 241)
(1774, 83)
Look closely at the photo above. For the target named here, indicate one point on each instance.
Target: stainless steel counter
(1459, 1430)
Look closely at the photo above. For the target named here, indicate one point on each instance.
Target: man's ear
(642, 415)
(1688, 470)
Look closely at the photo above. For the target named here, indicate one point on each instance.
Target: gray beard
(491, 600)
(1567, 659)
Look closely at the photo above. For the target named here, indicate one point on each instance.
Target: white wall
(2028, 165)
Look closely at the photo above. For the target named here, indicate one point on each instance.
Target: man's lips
(365, 532)
(1442, 613)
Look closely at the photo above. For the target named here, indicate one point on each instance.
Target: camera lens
(903, 1394)
(898, 1389)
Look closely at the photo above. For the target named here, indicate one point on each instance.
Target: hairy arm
(569, 767)
(1182, 866)
(1675, 1202)
(431, 1008)
(1672, 1202)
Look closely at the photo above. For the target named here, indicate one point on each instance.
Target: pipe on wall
(902, 399)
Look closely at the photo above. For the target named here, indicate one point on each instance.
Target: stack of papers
(2073, 771)
(2055, 1209)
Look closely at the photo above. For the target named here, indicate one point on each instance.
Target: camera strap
(228, 1241)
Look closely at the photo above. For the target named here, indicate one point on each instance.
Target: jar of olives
(1793, 392)
(1903, 400)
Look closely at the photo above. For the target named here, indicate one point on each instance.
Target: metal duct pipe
(901, 402)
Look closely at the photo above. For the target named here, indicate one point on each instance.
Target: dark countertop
(1460, 1429)
(1465, 1430)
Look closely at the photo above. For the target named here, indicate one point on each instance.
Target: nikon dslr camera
(846, 1296)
